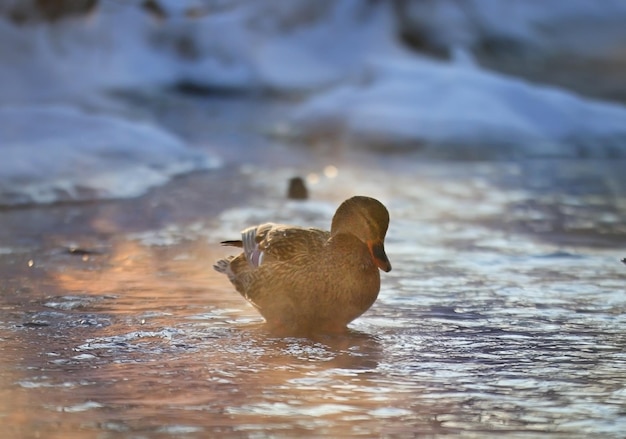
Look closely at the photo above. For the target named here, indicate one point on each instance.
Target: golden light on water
(331, 171)
(328, 172)
(313, 178)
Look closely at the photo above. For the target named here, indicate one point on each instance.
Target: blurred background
(135, 135)
(454, 79)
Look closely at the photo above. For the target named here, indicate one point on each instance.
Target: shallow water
(504, 312)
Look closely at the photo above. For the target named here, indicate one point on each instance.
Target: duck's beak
(377, 249)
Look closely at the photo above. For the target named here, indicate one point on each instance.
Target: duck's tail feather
(234, 243)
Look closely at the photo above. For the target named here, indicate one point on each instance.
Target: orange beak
(377, 249)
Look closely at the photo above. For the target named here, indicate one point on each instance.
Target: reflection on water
(483, 328)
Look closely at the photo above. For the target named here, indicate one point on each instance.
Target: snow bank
(375, 90)
(60, 62)
(423, 103)
(295, 45)
(59, 153)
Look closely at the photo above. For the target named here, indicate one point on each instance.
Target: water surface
(504, 313)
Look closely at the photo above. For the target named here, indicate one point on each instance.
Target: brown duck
(310, 280)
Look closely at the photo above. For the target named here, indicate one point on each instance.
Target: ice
(60, 153)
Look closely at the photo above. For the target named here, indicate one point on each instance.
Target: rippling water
(504, 313)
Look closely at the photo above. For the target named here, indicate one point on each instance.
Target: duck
(304, 280)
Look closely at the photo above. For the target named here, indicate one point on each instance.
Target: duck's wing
(277, 242)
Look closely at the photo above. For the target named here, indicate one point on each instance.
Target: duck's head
(367, 219)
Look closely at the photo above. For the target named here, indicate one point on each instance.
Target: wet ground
(504, 313)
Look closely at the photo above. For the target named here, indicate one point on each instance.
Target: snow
(62, 61)
(297, 45)
(283, 46)
(418, 103)
(363, 84)
(328, 51)
(60, 153)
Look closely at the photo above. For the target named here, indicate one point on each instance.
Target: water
(503, 315)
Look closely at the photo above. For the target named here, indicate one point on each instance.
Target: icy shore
(62, 154)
